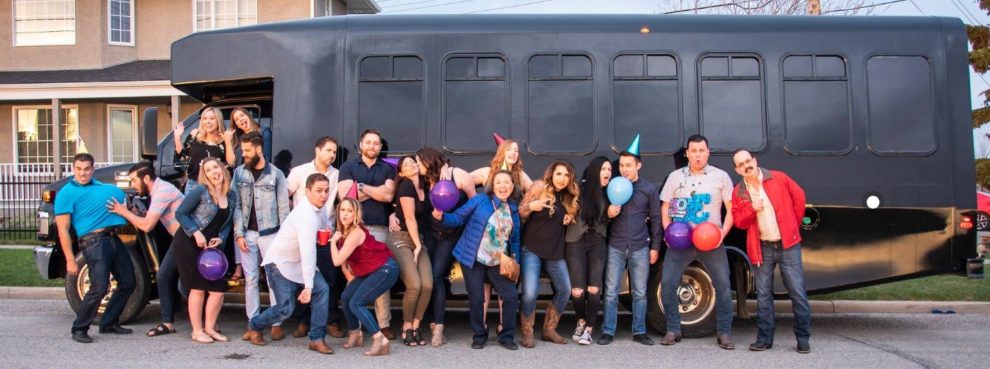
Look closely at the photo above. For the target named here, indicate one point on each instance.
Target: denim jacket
(269, 194)
(198, 209)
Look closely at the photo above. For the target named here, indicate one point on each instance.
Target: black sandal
(408, 338)
(418, 336)
(160, 330)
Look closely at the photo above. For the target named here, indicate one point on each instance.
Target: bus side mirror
(149, 134)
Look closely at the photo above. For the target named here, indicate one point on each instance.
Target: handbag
(508, 267)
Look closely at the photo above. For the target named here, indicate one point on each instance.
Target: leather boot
(550, 326)
(247, 334)
(334, 331)
(526, 327)
(379, 346)
(321, 347)
(277, 333)
(256, 338)
(301, 331)
(355, 338)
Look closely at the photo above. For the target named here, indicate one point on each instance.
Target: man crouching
(290, 264)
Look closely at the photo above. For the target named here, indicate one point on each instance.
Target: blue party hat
(634, 146)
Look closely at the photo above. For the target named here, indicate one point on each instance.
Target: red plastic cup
(323, 237)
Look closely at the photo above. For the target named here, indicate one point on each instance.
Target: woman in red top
(370, 269)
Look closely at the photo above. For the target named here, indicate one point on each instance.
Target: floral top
(495, 240)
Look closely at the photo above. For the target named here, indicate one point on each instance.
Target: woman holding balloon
(450, 188)
(407, 247)
(206, 217)
(586, 251)
(549, 206)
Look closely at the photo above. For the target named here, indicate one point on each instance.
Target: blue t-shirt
(88, 205)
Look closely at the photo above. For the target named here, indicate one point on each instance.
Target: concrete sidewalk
(781, 306)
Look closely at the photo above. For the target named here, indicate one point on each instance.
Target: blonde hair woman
(206, 216)
(201, 143)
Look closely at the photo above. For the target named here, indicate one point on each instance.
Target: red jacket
(787, 199)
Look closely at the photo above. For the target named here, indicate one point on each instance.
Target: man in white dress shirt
(290, 264)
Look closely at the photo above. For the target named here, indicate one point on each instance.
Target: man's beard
(143, 189)
(370, 153)
(252, 162)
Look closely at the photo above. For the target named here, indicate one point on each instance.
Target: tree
(979, 59)
(767, 7)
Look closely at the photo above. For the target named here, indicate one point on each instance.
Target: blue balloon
(619, 191)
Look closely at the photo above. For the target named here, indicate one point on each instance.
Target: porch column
(57, 137)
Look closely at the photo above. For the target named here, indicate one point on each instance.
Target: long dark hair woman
(206, 215)
(586, 251)
(241, 122)
(434, 167)
(549, 206)
(491, 230)
(407, 246)
(201, 143)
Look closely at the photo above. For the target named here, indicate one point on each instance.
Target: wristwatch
(360, 187)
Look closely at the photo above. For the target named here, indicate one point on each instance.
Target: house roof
(140, 70)
(362, 7)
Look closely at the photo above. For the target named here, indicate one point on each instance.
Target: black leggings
(586, 260)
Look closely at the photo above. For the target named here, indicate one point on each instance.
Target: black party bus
(869, 114)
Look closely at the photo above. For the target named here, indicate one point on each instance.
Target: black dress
(186, 254)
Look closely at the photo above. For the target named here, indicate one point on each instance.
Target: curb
(880, 307)
(780, 306)
(33, 293)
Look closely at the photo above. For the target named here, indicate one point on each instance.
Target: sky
(967, 10)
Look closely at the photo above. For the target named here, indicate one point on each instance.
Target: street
(35, 334)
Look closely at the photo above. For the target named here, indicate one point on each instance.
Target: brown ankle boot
(277, 333)
(355, 338)
(379, 346)
(301, 331)
(256, 338)
(526, 327)
(334, 331)
(550, 326)
(321, 347)
(247, 334)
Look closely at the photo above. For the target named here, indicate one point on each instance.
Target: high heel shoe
(379, 346)
(355, 338)
(408, 338)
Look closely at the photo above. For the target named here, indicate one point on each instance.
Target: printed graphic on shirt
(690, 209)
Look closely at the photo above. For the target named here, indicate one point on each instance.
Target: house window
(34, 134)
(122, 133)
(218, 14)
(121, 26)
(44, 22)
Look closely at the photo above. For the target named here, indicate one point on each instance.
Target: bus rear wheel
(696, 302)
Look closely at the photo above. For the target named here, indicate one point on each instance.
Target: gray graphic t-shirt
(697, 198)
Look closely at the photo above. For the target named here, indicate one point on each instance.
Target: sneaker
(578, 331)
(585, 338)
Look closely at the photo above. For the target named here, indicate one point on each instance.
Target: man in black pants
(81, 204)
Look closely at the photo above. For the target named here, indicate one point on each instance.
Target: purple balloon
(212, 264)
(678, 236)
(444, 195)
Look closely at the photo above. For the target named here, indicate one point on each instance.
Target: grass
(17, 269)
(934, 288)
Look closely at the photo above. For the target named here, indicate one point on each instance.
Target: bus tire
(697, 302)
(77, 285)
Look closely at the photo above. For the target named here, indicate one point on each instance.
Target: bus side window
(902, 114)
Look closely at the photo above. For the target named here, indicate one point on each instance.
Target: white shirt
(297, 185)
(293, 250)
(766, 219)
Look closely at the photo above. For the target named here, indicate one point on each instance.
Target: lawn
(17, 269)
(934, 288)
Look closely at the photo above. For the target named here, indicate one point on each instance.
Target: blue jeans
(474, 281)
(556, 269)
(639, 273)
(335, 281)
(792, 272)
(717, 265)
(166, 279)
(104, 255)
(361, 291)
(286, 292)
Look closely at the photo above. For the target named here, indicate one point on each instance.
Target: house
(101, 62)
